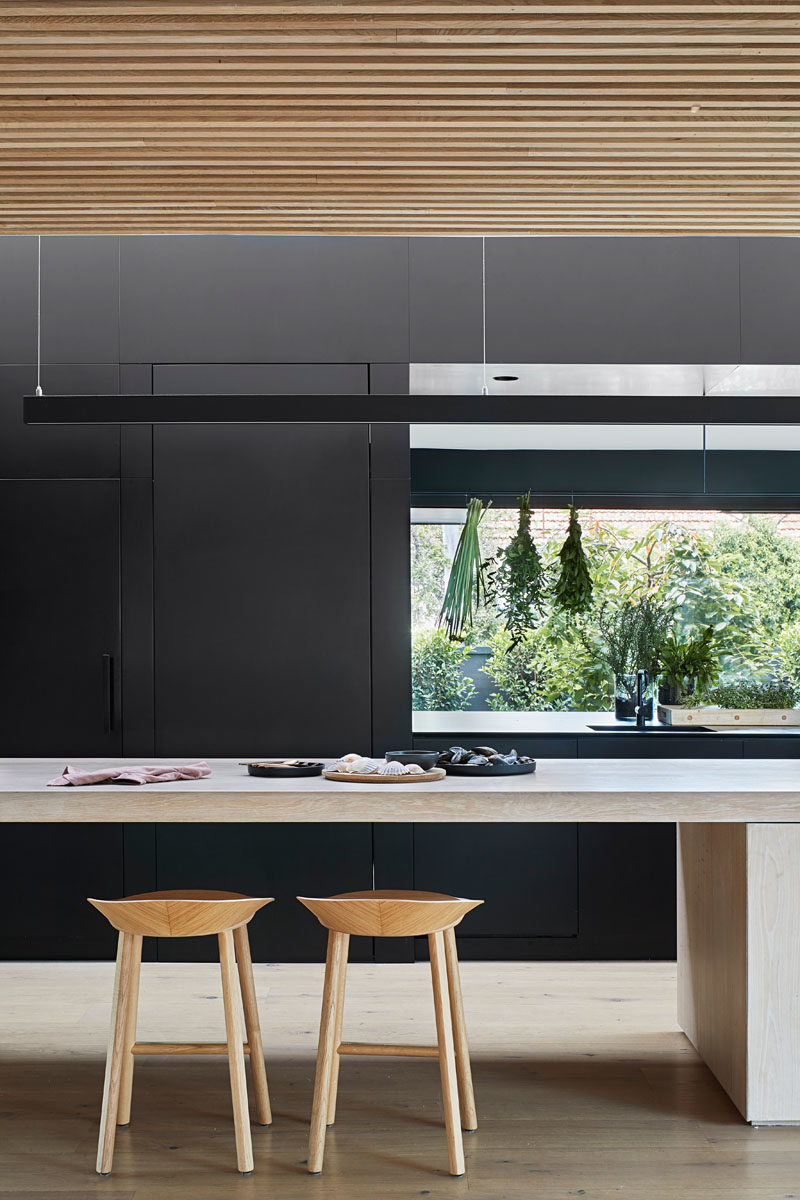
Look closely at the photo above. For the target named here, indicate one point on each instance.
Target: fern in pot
(687, 668)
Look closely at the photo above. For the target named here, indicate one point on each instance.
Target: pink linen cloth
(149, 773)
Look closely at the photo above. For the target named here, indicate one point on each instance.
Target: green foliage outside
(436, 679)
(741, 578)
(529, 675)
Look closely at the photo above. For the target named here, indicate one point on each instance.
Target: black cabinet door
(261, 379)
(262, 611)
(264, 299)
(284, 861)
(612, 300)
(59, 615)
(526, 874)
(46, 873)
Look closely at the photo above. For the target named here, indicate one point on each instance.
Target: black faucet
(642, 680)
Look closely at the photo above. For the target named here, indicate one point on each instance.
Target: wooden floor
(585, 1087)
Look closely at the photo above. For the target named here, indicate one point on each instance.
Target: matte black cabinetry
(612, 300)
(46, 873)
(264, 299)
(59, 613)
(262, 589)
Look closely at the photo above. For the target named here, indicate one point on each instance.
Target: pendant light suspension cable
(485, 388)
(39, 315)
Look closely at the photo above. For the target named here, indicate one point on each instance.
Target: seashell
(391, 768)
(414, 769)
(488, 751)
(361, 766)
(368, 766)
(350, 757)
(337, 766)
(477, 760)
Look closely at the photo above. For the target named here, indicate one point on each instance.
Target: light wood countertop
(666, 790)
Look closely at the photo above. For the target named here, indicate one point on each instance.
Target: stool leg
(447, 1059)
(466, 1096)
(252, 1025)
(340, 990)
(233, 1029)
(337, 943)
(126, 1079)
(116, 1042)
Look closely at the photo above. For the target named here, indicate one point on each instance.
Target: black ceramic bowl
(423, 758)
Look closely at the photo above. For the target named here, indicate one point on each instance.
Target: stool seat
(180, 913)
(389, 912)
(394, 913)
(184, 913)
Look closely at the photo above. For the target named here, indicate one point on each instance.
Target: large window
(738, 573)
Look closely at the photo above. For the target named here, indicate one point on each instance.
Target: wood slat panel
(400, 117)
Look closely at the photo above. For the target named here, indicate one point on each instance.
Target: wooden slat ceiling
(400, 117)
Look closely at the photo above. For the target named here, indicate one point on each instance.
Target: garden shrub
(436, 680)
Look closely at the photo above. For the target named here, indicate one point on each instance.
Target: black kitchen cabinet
(284, 861)
(59, 613)
(262, 589)
(261, 379)
(46, 873)
(445, 300)
(770, 293)
(264, 299)
(613, 300)
(526, 874)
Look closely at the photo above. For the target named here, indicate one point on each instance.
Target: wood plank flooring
(585, 1087)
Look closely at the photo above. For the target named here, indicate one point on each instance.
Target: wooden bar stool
(395, 914)
(184, 914)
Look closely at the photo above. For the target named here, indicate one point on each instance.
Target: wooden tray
(707, 714)
(346, 777)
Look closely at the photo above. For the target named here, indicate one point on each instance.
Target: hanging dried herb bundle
(466, 588)
(573, 590)
(518, 581)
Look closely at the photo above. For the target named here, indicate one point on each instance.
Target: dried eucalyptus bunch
(573, 590)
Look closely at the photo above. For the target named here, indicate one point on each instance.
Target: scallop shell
(391, 768)
(413, 769)
(337, 766)
(362, 766)
(350, 757)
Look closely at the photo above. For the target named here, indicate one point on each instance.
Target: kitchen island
(738, 870)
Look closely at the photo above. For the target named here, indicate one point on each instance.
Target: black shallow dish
(423, 758)
(489, 769)
(279, 772)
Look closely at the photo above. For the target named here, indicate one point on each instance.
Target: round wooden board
(426, 777)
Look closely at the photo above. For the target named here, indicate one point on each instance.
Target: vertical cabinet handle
(108, 693)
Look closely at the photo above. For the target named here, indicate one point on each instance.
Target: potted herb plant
(631, 639)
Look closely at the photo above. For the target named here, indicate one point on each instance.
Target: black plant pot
(667, 694)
